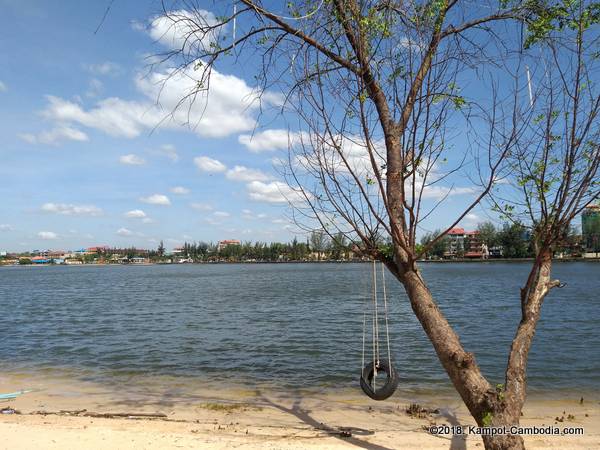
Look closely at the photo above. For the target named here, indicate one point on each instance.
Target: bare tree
(380, 91)
(552, 170)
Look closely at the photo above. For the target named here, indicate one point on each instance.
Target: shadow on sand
(459, 441)
(346, 434)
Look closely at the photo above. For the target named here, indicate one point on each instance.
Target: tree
(514, 239)
(376, 88)
(570, 243)
(339, 246)
(161, 249)
(552, 171)
(318, 242)
(487, 233)
(439, 246)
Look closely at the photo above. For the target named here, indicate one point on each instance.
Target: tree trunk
(499, 407)
(504, 442)
(487, 406)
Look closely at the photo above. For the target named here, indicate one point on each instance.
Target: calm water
(286, 325)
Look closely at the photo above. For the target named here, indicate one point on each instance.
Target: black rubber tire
(385, 391)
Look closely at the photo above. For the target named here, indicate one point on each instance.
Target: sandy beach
(65, 414)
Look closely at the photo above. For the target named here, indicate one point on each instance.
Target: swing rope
(369, 372)
(375, 319)
(387, 328)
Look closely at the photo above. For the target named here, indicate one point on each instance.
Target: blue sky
(85, 159)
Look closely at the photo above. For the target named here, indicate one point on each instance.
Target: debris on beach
(9, 410)
(86, 413)
(415, 410)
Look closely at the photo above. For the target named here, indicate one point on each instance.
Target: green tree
(487, 234)
(319, 242)
(439, 247)
(339, 246)
(514, 240)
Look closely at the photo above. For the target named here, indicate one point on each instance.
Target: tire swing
(370, 371)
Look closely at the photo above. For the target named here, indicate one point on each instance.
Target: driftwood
(86, 413)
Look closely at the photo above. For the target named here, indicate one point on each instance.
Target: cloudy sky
(90, 156)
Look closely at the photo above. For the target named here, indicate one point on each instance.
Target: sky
(90, 156)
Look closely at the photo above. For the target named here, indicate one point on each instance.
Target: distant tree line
(318, 246)
(511, 240)
(508, 241)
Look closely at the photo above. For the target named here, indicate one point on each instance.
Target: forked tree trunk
(490, 407)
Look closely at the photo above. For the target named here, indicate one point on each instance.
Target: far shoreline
(427, 261)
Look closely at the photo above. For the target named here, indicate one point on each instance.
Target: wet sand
(61, 413)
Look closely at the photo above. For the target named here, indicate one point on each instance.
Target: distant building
(40, 260)
(56, 254)
(464, 244)
(227, 242)
(455, 243)
(590, 230)
(99, 249)
(73, 262)
(139, 260)
(474, 248)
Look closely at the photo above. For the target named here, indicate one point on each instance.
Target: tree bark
(487, 406)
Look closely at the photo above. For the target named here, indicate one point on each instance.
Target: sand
(244, 418)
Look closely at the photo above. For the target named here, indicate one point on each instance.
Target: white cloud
(248, 214)
(177, 30)
(124, 232)
(3, 87)
(47, 235)
(135, 214)
(201, 206)
(132, 160)
(228, 109)
(169, 151)
(156, 199)
(55, 136)
(113, 116)
(439, 192)
(329, 151)
(273, 192)
(408, 43)
(221, 214)
(211, 221)
(241, 173)
(104, 68)
(180, 190)
(271, 140)
(169, 100)
(5, 227)
(206, 164)
(95, 88)
(71, 210)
